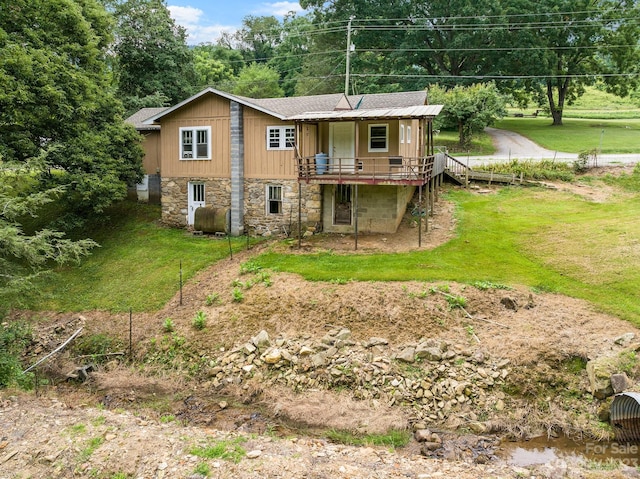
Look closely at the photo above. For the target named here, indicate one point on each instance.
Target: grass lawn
(481, 143)
(546, 240)
(137, 265)
(577, 135)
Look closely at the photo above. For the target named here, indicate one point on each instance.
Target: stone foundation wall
(256, 219)
(175, 197)
(260, 223)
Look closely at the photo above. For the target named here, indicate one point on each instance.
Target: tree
(26, 257)
(469, 109)
(154, 66)
(214, 65)
(55, 94)
(258, 81)
(576, 43)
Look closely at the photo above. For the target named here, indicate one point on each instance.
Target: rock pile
(435, 378)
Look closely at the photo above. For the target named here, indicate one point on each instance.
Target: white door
(342, 146)
(195, 200)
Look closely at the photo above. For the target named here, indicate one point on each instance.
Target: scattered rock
(509, 303)
(407, 355)
(619, 382)
(624, 339)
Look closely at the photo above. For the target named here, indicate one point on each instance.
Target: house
(340, 163)
(149, 189)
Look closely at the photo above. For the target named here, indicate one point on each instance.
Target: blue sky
(205, 20)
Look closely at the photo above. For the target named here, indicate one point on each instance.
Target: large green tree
(153, 63)
(258, 81)
(56, 94)
(568, 44)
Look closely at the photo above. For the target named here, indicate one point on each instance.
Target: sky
(205, 20)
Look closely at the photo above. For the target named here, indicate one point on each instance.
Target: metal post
(180, 282)
(419, 216)
(130, 334)
(356, 216)
(230, 248)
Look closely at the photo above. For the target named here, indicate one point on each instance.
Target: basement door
(195, 200)
(342, 211)
(342, 146)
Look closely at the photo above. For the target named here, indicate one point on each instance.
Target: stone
(477, 427)
(254, 454)
(407, 355)
(422, 435)
(599, 371)
(509, 303)
(429, 353)
(499, 406)
(305, 351)
(376, 342)
(272, 356)
(619, 382)
(624, 339)
(343, 334)
(261, 340)
(248, 348)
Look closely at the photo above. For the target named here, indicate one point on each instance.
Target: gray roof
(138, 118)
(288, 108)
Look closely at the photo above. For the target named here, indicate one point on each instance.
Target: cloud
(193, 20)
(278, 9)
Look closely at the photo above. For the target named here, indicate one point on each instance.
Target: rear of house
(324, 162)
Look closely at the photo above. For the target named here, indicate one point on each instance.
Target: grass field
(577, 135)
(546, 240)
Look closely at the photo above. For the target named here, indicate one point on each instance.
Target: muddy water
(542, 451)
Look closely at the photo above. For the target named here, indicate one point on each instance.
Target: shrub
(168, 325)
(14, 337)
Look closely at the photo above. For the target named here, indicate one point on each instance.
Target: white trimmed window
(379, 137)
(408, 134)
(195, 143)
(401, 133)
(274, 199)
(280, 137)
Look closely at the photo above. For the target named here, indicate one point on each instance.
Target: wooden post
(426, 208)
(356, 216)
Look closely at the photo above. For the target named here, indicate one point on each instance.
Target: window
(274, 199)
(401, 133)
(378, 135)
(195, 143)
(280, 137)
(408, 134)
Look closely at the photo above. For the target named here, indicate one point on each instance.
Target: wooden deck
(392, 170)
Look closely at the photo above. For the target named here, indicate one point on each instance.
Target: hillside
(283, 360)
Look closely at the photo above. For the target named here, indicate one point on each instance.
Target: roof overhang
(418, 111)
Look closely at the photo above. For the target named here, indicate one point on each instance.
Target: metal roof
(418, 111)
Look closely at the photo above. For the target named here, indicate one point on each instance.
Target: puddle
(541, 450)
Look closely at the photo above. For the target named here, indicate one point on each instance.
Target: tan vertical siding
(209, 110)
(152, 152)
(258, 161)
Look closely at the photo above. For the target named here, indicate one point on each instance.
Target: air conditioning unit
(187, 155)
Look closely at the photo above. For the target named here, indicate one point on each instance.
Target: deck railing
(369, 169)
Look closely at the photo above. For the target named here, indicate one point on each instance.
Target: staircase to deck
(461, 174)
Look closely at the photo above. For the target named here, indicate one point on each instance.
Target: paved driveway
(511, 145)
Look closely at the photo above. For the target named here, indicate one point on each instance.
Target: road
(511, 145)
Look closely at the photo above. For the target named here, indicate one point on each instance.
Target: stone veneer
(174, 197)
(260, 223)
(256, 220)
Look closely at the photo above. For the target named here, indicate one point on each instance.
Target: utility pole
(346, 77)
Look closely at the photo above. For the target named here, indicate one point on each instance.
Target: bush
(14, 337)
(200, 320)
